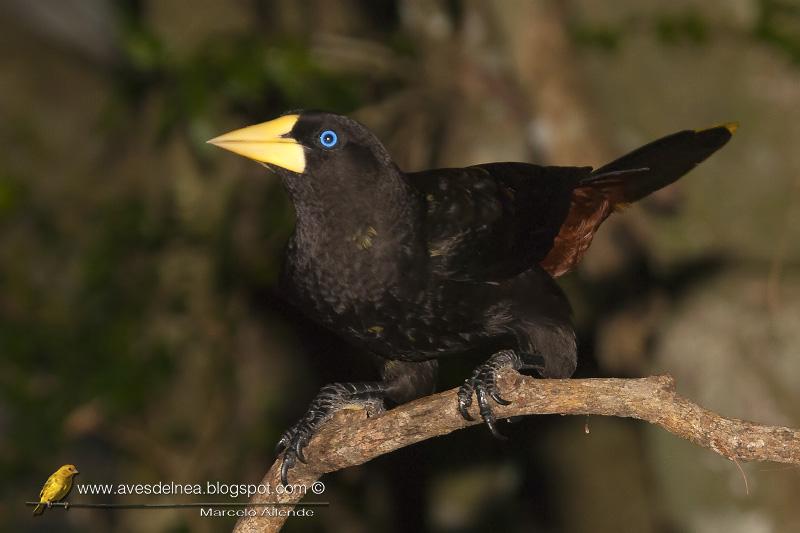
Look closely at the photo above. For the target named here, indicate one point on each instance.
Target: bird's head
(310, 145)
(67, 471)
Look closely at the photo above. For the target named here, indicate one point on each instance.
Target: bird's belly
(409, 335)
(408, 325)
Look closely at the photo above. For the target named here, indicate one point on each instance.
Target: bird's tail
(39, 509)
(625, 180)
(657, 164)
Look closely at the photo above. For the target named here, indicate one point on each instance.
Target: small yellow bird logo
(56, 487)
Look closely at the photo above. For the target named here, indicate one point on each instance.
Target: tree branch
(351, 438)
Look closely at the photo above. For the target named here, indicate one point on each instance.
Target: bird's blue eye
(328, 138)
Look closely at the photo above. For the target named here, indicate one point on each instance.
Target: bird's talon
(499, 399)
(462, 408)
(465, 400)
(488, 415)
(298, 449)
(288, 462)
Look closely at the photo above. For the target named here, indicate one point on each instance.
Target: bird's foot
(330, 399)
(483, 384)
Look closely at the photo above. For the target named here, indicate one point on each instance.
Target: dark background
(139, 335)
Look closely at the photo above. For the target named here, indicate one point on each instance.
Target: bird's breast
(356, 271)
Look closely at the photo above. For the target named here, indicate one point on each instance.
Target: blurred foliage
(688, 26)
(252, 74)
(776, 24)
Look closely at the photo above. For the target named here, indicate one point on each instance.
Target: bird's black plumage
(414, 267)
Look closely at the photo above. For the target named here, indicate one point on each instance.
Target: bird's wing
(49, 488)
(626, 180)
(493, 221)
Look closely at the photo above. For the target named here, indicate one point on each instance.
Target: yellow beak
(267, 143)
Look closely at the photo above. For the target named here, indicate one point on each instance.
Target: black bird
(416, 266)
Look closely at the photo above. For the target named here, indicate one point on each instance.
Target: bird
(414, 267)
(55, 488)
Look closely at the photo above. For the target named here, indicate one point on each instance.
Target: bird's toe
(483, 384)
(289, 459)
(292, 445)
(465, 399)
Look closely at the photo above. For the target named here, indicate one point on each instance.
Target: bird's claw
(465, 399)
(330, 398)
(483, 384)
(294, 440)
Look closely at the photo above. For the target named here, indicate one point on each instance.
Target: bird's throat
(355, 210)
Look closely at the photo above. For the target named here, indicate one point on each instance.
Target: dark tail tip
(665, 159)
